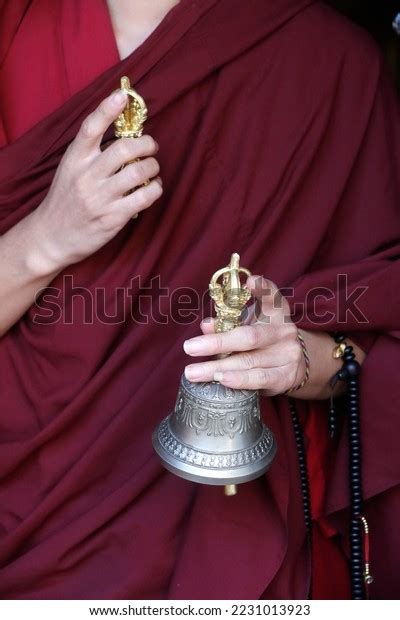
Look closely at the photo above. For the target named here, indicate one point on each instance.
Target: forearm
(23, 271)
(322, 365)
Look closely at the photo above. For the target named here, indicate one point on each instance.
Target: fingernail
(118, 97)
(192, 346)
(193, 372)
(218, 376)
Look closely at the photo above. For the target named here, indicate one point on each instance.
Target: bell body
(215, 435)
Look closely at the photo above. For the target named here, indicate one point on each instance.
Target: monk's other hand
(264, 354)
(88, 204)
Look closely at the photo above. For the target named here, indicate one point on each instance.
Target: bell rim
(191, 472)
(231, 474)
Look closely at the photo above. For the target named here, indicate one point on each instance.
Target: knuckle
(109, 221)
(247, 361)
(124, 148)
(241, 379)
(216, 343)
(147, 194)
(261, 377)
(139, 171)
(144, 197)
(156, 189)
(140, 198)
(153, 167)
(148, 144)
(252, 337)
(87, 129)
(133, 174)
(104, 109)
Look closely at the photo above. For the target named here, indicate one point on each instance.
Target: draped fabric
(279, 139)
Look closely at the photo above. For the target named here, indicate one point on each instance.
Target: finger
(243, 338)
(270, 379)
(269, 300)
(139, 200)
(207, 325)
(248, 315)
(267, 358)
(132, 176)
(124, 151)
(95, 125)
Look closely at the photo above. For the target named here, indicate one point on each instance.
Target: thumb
(207, 326)
(268, 297)
(96, 124)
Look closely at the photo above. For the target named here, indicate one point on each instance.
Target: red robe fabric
(279, 138)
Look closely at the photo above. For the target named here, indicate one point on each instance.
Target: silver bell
(215, 434)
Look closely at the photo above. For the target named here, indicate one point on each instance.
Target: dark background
(377, 17)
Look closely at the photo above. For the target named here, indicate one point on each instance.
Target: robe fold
(279, 139)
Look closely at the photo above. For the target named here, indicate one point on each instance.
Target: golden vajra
(129, 123)
(231, 296)
(230, 299)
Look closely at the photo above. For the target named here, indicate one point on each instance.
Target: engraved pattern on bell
(215, 409)
(215, 435)
(188, 454)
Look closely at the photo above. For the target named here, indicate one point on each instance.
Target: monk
(273, 131)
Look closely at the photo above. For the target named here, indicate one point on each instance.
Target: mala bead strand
(304, 478)
(356, 542)
(359, 553)
(349, 373)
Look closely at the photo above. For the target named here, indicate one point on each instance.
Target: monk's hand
(88, 203)
(264, 354)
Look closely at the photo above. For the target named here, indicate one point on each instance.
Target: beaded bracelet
(307, 362)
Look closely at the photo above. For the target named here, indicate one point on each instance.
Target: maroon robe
(279, 139)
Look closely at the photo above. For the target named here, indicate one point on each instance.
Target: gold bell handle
(230, 298)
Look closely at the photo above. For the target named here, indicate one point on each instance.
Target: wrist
(40, 257)
(303, 372)
(323, 365)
